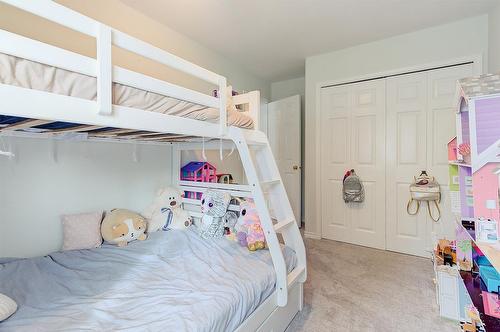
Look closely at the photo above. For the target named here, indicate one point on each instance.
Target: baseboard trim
(312, 235)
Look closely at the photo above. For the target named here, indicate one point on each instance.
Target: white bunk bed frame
(265, 185)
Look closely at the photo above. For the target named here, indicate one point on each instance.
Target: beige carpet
(352, 288)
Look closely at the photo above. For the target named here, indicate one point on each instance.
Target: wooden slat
(75, 129)
(111, 133)
(143, 136)
(148, 135)
(158, 138)
(25, 124)
(132, 134)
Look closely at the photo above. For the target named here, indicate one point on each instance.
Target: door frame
(301, 161)
(475, 59)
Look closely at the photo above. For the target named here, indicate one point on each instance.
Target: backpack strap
(437, 208)
(409, 205)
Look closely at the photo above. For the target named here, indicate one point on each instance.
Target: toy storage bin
(490, 277)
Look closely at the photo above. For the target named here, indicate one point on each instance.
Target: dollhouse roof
(477, 86)
(196, 166)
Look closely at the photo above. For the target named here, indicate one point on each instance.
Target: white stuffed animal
(214, 204)
(166, 212)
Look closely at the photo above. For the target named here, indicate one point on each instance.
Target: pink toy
(198, 171)
(249, 231)
(464, 150)
(452, 150)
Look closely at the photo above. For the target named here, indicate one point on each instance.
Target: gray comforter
(173, 281)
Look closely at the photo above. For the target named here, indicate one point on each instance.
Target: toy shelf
(491, 252)
(475, 286)
(457, 163)
(473, 282)
(473, 157)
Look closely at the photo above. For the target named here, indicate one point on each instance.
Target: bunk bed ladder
(269, 194)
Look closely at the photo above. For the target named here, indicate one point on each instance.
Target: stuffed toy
(7, 307)
(249, 232)
(166, 212)
(231, 219)
(122, 226)
(214, 206)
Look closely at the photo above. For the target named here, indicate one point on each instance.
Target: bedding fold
(173, 281)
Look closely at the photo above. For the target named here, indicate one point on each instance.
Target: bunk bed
(92, 99)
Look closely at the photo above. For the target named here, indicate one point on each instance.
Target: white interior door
(283, 124)
(420, 121)
(353, 136)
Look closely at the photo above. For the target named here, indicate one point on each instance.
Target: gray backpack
(352, 189)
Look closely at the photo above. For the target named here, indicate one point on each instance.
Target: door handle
(295, 167)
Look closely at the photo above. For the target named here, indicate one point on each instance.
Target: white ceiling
(271, 38)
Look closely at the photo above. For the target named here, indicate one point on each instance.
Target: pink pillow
(82, 231)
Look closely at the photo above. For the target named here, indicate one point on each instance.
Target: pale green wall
(118, 15)
(462, 38)
(37, 188)
(494, 40)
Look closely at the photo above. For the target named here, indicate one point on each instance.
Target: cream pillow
(82, 231)
(7, 307)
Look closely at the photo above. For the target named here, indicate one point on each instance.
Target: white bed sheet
(33, 75)
(173, 281)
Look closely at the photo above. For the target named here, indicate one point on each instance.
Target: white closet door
(353, 136)
(420, 121)
(441, 123)
(336, 104)
(406, 156)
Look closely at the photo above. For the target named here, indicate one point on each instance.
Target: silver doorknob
(295, 167)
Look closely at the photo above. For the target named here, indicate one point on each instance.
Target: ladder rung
(270, 182)
(282, 224)
(294, 275)
(258, 144)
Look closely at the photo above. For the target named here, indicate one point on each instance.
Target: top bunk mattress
(173, 281)
(34, 75)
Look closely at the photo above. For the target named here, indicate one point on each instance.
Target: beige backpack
(425, 189)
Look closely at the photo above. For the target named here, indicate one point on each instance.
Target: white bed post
(104, 70)
(254, 108)
(176, 165)
(223, 106)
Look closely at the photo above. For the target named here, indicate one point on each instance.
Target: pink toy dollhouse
(473, 157)
(198, 171)
(478, 122)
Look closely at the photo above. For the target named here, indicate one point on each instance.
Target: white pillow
(82, 231)
(7, 307)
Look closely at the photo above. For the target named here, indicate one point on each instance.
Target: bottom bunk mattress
(173, 281)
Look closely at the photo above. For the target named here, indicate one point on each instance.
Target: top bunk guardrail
(106, 73)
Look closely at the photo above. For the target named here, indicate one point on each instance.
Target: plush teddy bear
(166, 212)
(122, 226)
(214, 206)
(249, 232)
